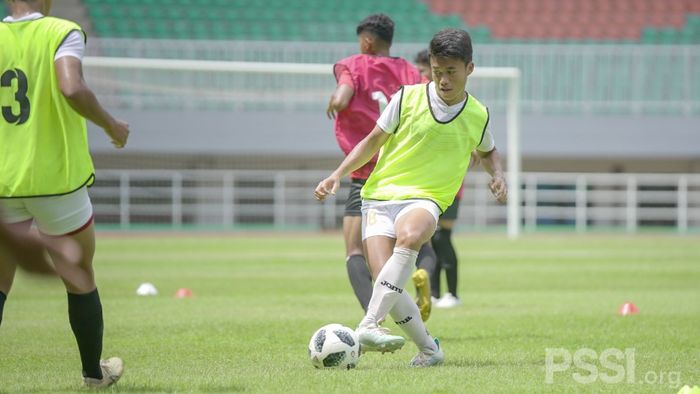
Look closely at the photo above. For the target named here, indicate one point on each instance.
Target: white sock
(407, 316)
(389, 285)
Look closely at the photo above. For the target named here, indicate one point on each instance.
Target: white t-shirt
(73, 45)
(389, 119)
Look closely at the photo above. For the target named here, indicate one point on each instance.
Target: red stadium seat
(440, 6)
(572, 19)
(692, 6)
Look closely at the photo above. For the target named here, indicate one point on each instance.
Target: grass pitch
(258, 299)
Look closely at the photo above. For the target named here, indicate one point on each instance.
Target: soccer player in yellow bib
(45, 164)
(426, 136)
(445, 255)
(30, 252)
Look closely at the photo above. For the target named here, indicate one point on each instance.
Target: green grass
(259, 298)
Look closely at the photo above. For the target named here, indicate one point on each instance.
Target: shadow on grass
(161, 389)
(465, 363)
(125, 388)
(499, 337)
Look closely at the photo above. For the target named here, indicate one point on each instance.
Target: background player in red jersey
(365, 84)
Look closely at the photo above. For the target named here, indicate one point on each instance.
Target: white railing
(556, 78)
(282, 200)
(245, 71)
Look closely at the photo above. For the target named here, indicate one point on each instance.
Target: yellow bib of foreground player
(425, 158)
(43, 141)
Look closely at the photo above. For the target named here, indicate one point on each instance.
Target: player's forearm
(84, 102)
(491, 161)
(359, 156)
(339, 103)
(342, 96)
(362, 153)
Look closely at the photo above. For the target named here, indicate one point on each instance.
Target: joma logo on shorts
(392, 287)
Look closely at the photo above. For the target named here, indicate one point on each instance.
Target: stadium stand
(506, 21)
(602, 21)
(273, 20)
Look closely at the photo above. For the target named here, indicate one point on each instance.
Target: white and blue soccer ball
(334, 346)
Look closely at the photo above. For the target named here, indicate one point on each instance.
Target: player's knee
(412, 238)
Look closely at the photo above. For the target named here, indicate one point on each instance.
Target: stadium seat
(605, 20)
(272, 19)
(667, 22)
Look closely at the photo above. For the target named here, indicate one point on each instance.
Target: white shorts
(379, 217)
(53, 215)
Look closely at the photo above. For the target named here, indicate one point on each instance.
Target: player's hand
(118, 131)
(499, 188)
(331, 110)
(325, 187)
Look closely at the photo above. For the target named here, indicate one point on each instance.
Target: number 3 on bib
(20, 96)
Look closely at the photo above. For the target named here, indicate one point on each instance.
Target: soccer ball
(334, 346)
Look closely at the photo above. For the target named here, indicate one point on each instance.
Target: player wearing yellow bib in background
(422, 162)
(45, 165)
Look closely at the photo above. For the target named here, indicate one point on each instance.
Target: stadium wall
(305, 140)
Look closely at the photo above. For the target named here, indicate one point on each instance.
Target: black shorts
(353, 205)
(451, 212)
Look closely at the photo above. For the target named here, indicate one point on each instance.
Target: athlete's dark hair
(453, 44)
(422, 57)
(380, 25)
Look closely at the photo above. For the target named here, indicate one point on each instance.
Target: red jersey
(375, 79)
(460, 192)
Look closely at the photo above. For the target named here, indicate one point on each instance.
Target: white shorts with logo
(52, 215)
(379, 217)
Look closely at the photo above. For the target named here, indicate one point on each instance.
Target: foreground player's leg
(85, 312)
(429, 358)
(85, 315)
(3, 297)
(413, 228)
(112, 369)
(7, 271)
(387, 288)
(406, 315)
(8, 268)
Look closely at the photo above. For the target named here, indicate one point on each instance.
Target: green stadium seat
(667, 36)
(335, 20)
(686, 36)
(480, 34)
(649, 35)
